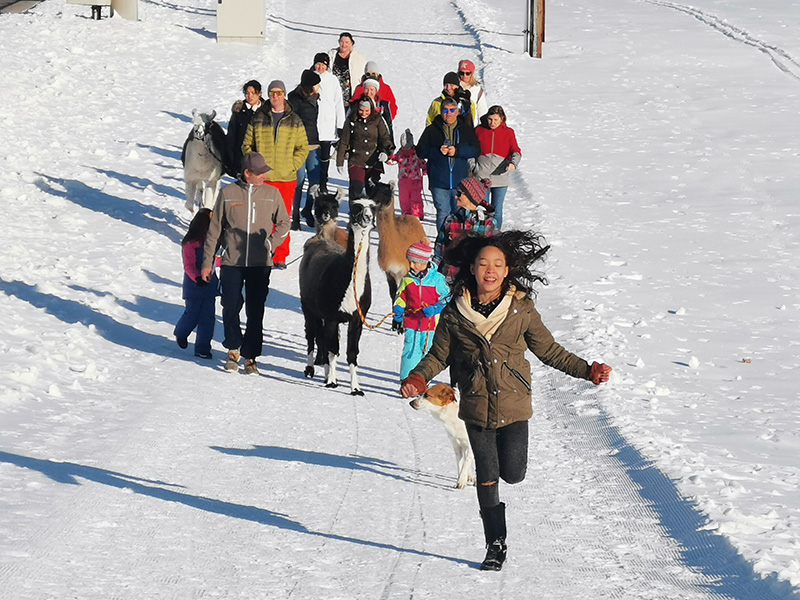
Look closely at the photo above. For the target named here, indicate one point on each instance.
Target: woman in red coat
(500, 154)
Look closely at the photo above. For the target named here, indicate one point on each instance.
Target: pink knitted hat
(419, 253)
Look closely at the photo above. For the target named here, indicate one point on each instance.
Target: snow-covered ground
(660, 145)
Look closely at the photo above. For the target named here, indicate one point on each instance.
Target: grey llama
(203, 160)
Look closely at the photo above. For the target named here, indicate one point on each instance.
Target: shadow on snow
(71, 311)
(702, 550)
(71, 473)
(123, 209)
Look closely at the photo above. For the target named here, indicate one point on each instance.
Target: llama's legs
(210, 193)
(355, 385)
(191, 192)
(332, 346)
(330, 371)
(312, 324)
(354, 329)
(392, 286)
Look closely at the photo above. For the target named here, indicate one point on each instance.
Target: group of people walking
(466, 302)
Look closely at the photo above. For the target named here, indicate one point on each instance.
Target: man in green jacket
(278, 134)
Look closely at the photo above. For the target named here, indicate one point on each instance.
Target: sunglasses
(452, 109)
(276, 92)
(373, 75)
(464, 73)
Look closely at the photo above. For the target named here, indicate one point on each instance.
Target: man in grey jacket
(249, 222)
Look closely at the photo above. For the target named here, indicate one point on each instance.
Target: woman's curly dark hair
(521, 248)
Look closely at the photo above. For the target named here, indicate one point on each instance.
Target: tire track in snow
(780, 58)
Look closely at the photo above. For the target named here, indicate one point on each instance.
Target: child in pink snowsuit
(409, 180)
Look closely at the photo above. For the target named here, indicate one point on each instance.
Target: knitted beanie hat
(475, 189)
(407, 139)
(372, 82)
(419, 253)
(276, 84)
(309, 78)
(451, 78)
(323, 58)
(371, 67)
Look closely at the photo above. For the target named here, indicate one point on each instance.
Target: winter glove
(397, 326)
(340, 168)
(600, 373)
(413, 385)
(383, 157)
(200, 282)
(432, 310)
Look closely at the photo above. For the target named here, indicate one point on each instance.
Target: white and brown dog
(442, 402)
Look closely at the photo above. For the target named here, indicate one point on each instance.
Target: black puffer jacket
(241, 116)
(305, 105)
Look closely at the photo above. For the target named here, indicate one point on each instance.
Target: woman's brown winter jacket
(362, 140)
(494, 377)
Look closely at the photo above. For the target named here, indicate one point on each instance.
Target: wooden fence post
(539, 27)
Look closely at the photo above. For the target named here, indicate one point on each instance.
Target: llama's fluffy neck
(359, 238)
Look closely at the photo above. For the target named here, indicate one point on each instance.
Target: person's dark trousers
(255, 281)
(499, 454)
(199, 313)
(324, 163)
(357, 177)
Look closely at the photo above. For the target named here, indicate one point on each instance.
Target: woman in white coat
(330, 119)
(347, 64)
(466, 77)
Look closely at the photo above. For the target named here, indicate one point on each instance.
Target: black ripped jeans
(499, 454)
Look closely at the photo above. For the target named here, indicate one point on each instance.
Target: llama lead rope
(355, 294)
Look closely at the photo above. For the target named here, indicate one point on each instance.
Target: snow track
(780, 58)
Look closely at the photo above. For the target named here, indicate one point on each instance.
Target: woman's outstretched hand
(600, 373)
(413, 385)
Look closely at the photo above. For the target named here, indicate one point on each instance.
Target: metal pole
(527, 30)
(532, 28)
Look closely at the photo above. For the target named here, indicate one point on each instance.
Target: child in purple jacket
(200, 297)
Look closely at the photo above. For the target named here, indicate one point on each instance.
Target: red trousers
(410, 193)
(286, 189)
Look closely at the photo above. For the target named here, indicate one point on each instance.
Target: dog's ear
(449, 395)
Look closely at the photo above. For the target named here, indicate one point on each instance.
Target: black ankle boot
(494, 529)
(495, 556)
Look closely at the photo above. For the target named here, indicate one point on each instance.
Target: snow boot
(250, 367)
(494, 530)
(232, 362)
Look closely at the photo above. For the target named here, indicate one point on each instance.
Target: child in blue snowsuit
(421, 297)
(200, 297)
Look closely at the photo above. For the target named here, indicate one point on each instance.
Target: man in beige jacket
(249, 222)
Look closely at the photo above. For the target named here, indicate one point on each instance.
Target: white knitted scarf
(486, 326)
